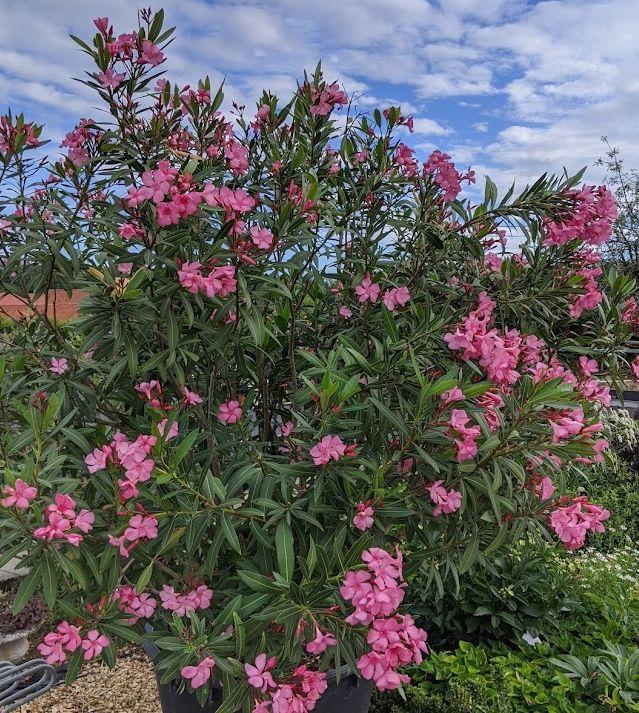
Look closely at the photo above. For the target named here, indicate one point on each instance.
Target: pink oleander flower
(97, 459)
(94, 643)
(200, 674)
(57, 644)
(150, 54)
(287, 429)
(545, 488)
(125, 268)
(571, 523)
(141, 527)
(139, 606)
(321, 642)
(182, 604)
(229, 412)
(262, 238)
(19, 496)
(367, 290)
(345, 312)
(635, 367)
(59, 366)
(397, 297)
(110, 79)
(172, 432)
(464, 437)
(449, 397)
(329, 448)
(190, 398)
(446, 501)
(259, 675)
(364, 520)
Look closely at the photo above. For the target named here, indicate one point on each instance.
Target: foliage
(623, 248)
(520, 591)
(270, 377)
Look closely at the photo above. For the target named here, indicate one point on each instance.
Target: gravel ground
(127, 688)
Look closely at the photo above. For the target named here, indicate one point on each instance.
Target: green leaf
(27, 587)
(470, 554)
(49, 581)
(230, 534)
(284, 546)
(144, 578)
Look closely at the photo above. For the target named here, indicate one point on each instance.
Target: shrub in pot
(302, 350)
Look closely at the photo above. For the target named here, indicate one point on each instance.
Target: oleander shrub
(303, 351)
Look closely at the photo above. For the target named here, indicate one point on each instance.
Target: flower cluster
(446, 501)
(326, 99)
(465, 437)
(445, 175)
(572, 522)
(590, 221)
(139, 606)
(130, 455)
(364, 519)
(182, 604)
(395, 640)
(329, 448)
(297, 694)
(66, 639)
(141, 528)
(219, 282)
(18, 135)
(62, 519)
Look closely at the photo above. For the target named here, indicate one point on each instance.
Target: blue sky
(512, 87)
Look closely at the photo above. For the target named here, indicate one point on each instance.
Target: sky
(512, 87)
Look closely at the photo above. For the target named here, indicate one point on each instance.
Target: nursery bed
(128, 688)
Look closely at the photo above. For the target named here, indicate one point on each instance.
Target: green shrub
(524, 590)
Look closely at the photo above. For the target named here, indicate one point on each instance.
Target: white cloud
(553, 76)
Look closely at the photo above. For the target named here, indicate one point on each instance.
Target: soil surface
(127, 688)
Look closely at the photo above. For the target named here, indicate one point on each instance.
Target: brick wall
(61, 307)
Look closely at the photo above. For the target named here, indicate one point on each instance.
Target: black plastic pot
(350, 695)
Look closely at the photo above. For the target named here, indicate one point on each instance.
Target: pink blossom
(450, 397)
(56, 644)
(345, 312)
(97, 459)
(125, 268)
(329, 448)
(102, 23)
(397, 297)
(186, 603)
(465, 437)
(58, 366)
(545, 488)
(190, 398)
(446, 501)
(364, 520)
(19, 496)
(635, 367)
(150, 54)
(141, 527)
(321, 642)
(259, 675)
(109, 78)
(94, 643)
(229, 412)
(200, 674)
(172, 432)
(591, 220)
(367, 290)
(571, 523)
(287, 429)
(262, 238)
